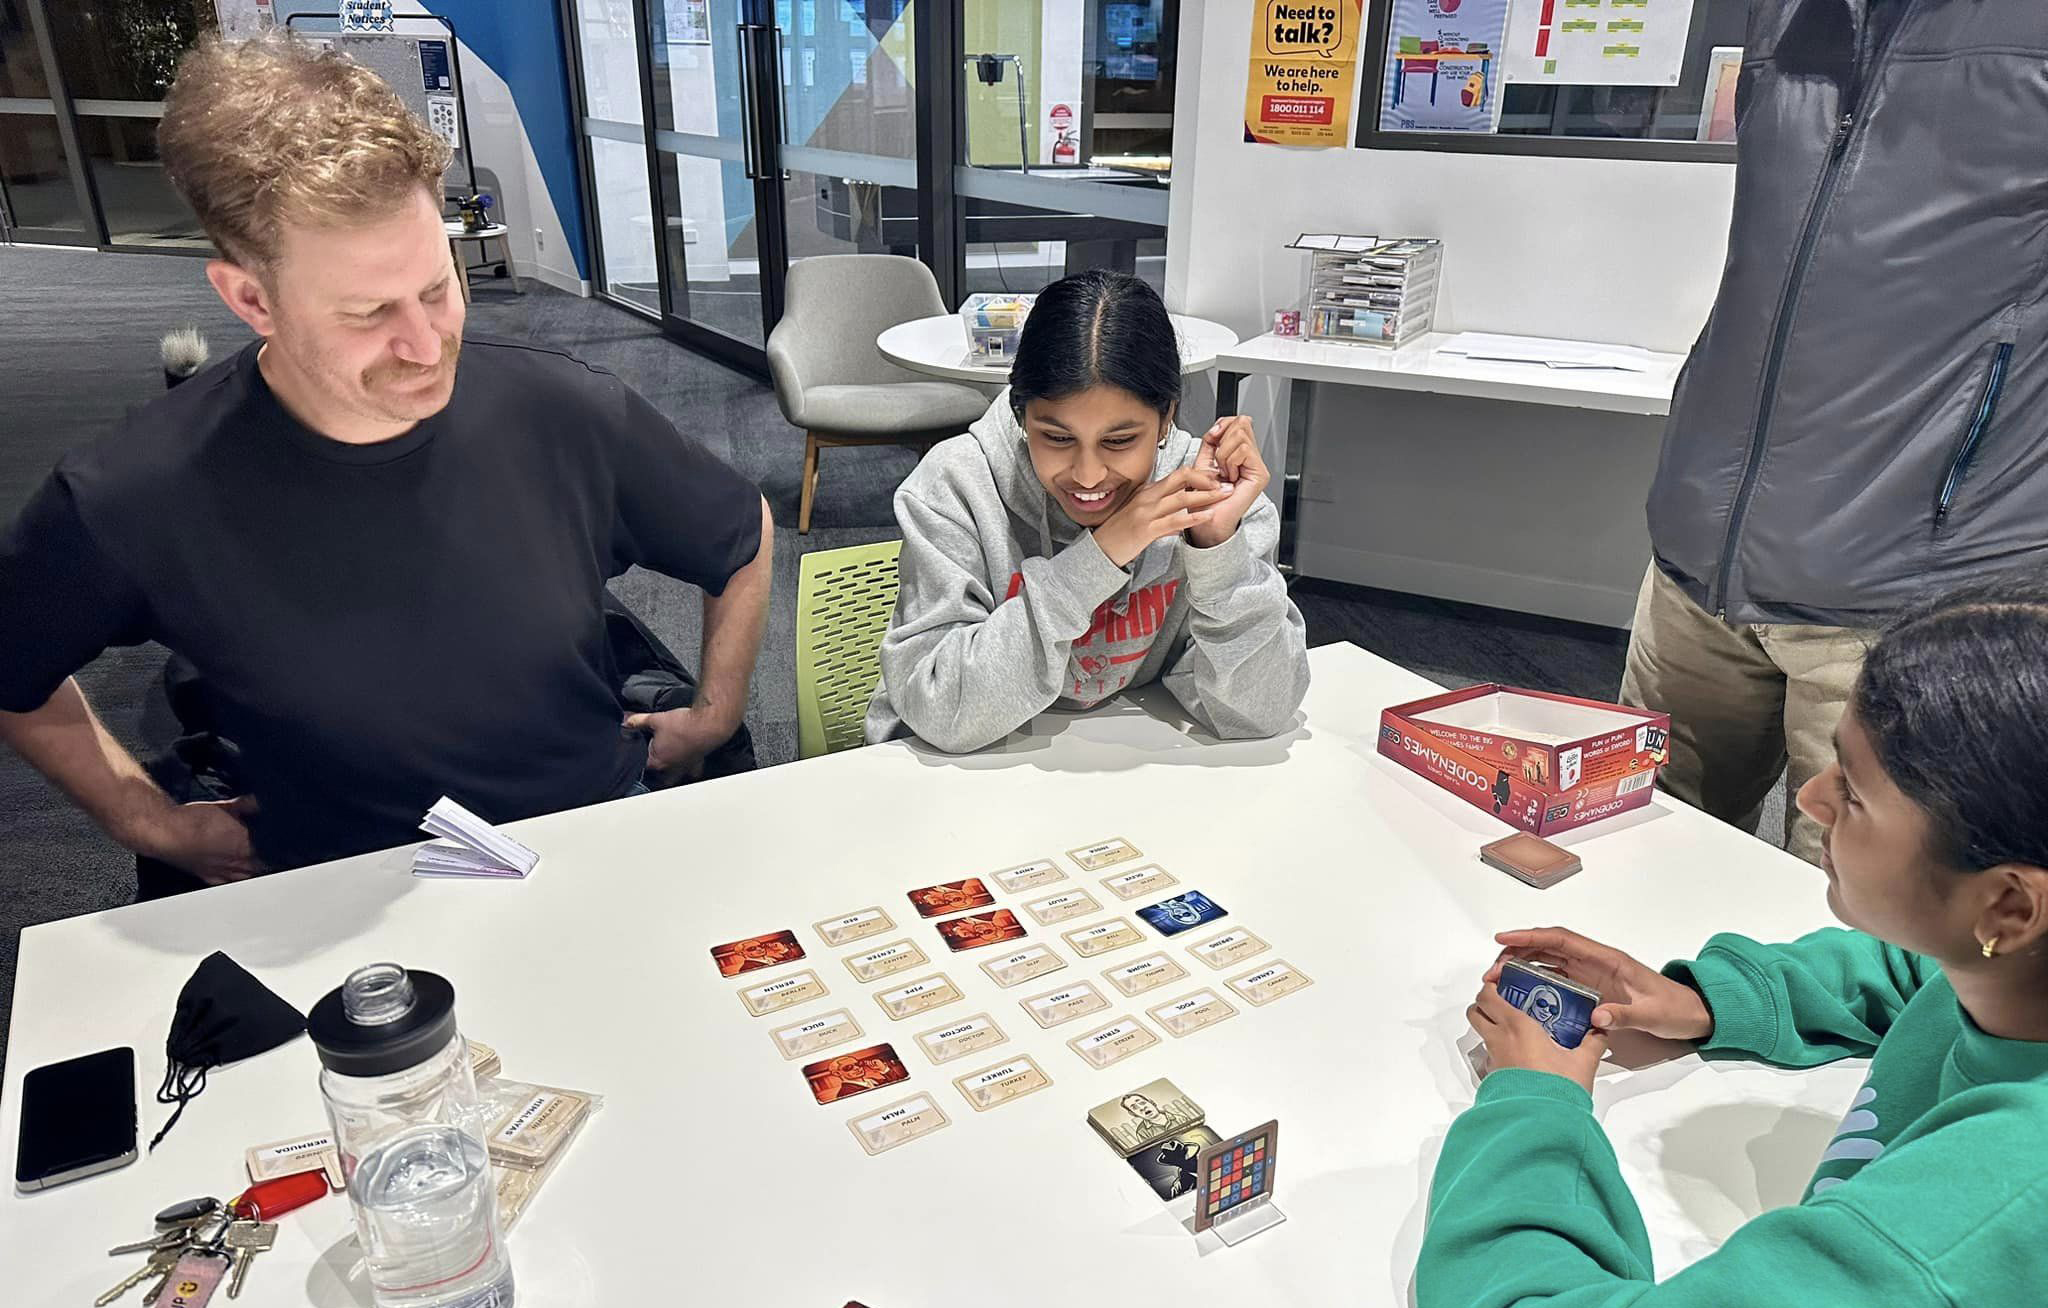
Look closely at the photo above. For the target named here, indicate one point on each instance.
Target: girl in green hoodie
(1935, 1189)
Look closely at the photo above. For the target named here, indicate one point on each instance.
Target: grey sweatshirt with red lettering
(1007, 607)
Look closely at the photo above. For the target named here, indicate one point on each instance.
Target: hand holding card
(1519, 1039)
(1632, 996)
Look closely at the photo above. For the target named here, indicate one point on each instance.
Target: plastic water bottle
(402, 1098)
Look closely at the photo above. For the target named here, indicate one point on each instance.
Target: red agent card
(951, 897)
(847, 1075)
(756, 952)
(980, 929)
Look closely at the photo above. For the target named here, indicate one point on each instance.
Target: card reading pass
(1065, 1004)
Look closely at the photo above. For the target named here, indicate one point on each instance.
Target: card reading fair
(1560, 1007)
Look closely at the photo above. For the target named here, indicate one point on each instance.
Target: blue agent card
(1170, 917)
(1564, 1010)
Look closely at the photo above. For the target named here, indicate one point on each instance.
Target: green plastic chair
(843, 601)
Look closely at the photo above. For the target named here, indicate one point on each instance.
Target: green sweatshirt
(1935, 1190)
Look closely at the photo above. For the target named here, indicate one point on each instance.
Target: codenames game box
(1544, 763)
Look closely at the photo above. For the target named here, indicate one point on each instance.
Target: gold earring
(1991, 946)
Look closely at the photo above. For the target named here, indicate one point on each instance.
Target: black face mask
(224, 1015)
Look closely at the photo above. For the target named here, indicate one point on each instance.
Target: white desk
(709, 1166)
(938, 346)
(1421, 365)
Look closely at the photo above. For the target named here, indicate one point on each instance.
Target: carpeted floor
(78, 335)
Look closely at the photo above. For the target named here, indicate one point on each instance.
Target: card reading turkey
(885, 960)
(1026, 964)
(1065, 1004)
(815, 1033)
(1107, 853)
(899, 1123)
(774, 996)
(1148, 973)
(1088, 941)
(992, 1086)
(1028, 876)
(1233, 946)
(1189, 1014)
(1266, 983)
(1060, 907)
(1114, 1043)
(969, 1035)
(1140, 881)
(919, 996)
(849, 927)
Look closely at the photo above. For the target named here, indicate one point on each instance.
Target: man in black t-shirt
(389, 575)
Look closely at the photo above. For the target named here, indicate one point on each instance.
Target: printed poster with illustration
(1443, 65)
(1303, 61)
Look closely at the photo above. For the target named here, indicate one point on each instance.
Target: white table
(1422, 365)
(458, 233)
(595, 974)
(937, 346)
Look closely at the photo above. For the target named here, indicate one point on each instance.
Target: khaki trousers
(1746, 702)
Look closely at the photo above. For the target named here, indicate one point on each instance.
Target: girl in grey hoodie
(1075, 543)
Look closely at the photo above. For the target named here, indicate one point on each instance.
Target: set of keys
(198, 1244)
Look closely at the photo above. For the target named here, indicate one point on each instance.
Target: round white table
(458, 233)
(938, 347)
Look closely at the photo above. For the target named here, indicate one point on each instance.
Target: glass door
(624, 268)
(716, 104)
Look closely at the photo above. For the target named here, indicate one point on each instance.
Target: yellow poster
(1303, 71)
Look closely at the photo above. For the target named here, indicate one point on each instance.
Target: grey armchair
(833, 382)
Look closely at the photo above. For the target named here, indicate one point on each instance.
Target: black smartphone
(77, 1119)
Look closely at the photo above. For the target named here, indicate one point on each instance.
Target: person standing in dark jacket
(1862, 419)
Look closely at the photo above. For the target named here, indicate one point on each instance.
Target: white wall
(1608, 250)
(537, 244)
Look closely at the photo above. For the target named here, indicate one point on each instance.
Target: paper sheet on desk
(1550, 353)
(469, 846)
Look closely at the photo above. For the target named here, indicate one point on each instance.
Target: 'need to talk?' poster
(1304, 70)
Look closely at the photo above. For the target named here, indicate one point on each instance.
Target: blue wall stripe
(522, 42)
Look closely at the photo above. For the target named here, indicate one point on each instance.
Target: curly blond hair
(258, 134)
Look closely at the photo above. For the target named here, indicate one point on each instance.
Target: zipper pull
(1842, 130)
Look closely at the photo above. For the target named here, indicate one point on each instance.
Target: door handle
(746, 73)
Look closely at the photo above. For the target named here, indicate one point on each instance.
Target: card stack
(1531, 859)
(469, 846)
(1143, 1117)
